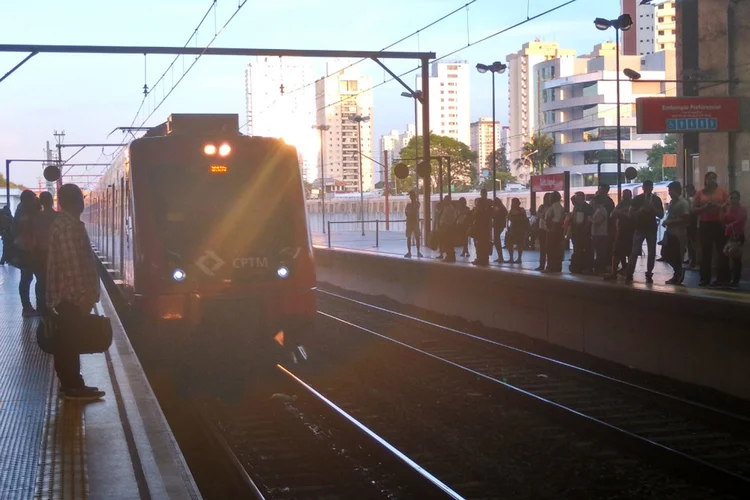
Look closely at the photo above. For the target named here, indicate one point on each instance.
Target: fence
(371, 225)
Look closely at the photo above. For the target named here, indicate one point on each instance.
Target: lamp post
(416, 95)
(622, 23)
(495, 67)
(525, 158)
(359, 119)
(322, 128)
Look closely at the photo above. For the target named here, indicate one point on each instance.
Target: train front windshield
(233, 221)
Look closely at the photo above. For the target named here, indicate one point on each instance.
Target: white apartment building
(579, 109)
(343, 94)
(653, 27)
(482, 143)
(523, 109)
(281, 103)
(392, 143)
(449, 100)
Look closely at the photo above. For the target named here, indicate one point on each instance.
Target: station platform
(686, 333)
(393, 243)
(120, 447)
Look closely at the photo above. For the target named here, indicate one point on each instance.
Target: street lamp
(359, 119)
(622, 23)
(495, 67)
(525, 158)
(322, 128)
(416, 95)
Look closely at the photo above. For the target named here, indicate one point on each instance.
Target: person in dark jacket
(482, 230)
(23, 242)
(6, 222)
(499, 221)
(582, 260)
(518, 229)
(646, 211)
(40, 229)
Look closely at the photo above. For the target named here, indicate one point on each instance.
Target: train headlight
(225, 149)
(209, 149)
(282, 272)
(179, 275)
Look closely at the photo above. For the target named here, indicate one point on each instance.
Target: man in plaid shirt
(72, 286)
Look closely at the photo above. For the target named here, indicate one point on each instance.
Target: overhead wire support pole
(426, 142)
(398, 79)
(14, 68)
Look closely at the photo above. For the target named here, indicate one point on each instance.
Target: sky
(88, 96)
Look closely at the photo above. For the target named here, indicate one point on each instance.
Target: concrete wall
(678, 336)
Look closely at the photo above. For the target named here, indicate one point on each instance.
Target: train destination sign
(548, 182)
(658, 115)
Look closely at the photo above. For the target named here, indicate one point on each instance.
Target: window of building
(661, 32)
(661, 19)
(662, 45)
(452, 67)
(452, 76)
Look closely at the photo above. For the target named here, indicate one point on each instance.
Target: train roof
(197, 125)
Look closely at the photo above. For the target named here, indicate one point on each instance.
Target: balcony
(582, 146)
(588, 122)
(572, 102)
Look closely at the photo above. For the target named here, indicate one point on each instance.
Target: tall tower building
(281, 103)
(481, 141)
(653, 27)
(523, 105)
(343, 94)
(449, 101)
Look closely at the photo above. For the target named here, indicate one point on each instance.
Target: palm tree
(540, 149)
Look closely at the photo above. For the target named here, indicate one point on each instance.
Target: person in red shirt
(711, 232)
(734, 217)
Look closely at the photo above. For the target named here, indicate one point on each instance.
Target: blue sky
(89, 95)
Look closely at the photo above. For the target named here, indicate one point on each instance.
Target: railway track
(299, 444)
(706, 443)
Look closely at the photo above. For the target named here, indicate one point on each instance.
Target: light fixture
(602, 24)
(282, 272)
(179, 275)
(209, 149)
(225, 149)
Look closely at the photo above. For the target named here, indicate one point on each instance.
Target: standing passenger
(541, 215)
(693, 246)
(676, 238)
(734, 217)
(623, 244)
(599, 236)
(72, 287)
(554, 216)
(448, 230)
(463, 222)
(499, 221)
(41, 228)
(644, 212)
(711, 232)
(6, 221)
(483, 230)
(23, 240)
(519, 227)
(582, 260)
(412, 223)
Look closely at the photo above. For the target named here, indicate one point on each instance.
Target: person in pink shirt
(734, 217)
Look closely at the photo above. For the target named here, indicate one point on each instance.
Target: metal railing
(376, 222)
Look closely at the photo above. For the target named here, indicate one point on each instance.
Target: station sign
(659, 115)
(548, 182)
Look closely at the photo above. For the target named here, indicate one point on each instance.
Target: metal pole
(426, 142)
(416, 147)
(494, 142)
(361, 192)
(377, 233)
(450, 182)
(387, 206)
(7, 183)
(440, 178)
(329, 234)
(619, 132)
(322, 180)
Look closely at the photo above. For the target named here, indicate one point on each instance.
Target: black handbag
(83, 334)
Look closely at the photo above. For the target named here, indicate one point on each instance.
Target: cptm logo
(210, 263)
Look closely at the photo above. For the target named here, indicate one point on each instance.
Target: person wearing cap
(675, 240)
(645, 211)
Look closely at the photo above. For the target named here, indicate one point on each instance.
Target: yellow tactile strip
(62, 464)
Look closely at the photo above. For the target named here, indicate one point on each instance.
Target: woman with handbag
(734, 217)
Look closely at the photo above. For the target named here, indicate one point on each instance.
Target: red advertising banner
(659, 115)
(549, 182)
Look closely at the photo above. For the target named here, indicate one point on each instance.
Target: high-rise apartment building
(523, 107)
(392, 144)
(482, 143)
(579, 110)
(343, 94)
(281, 103)
(449, 100)
(653, 27)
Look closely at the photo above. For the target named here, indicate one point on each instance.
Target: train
(197, 223)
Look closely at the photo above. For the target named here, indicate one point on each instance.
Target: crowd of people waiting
(607, 240)
(53, 247)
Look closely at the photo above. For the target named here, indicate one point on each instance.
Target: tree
(655, 172)
(501, 159)
(308, 188)
(463, 173)
(540, 152)
(12, 184)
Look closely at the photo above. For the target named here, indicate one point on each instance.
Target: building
(653, 28)
(579, 110)
(281, 103)
(523, 109)
(392, 143)
(344, 93)
(482, 143)
(449, 100)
